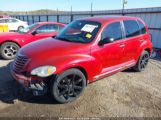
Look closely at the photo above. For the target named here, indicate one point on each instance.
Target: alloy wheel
(144, 61)
(10, 51)
(70, 87)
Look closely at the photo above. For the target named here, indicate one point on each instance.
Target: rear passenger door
(132, 41)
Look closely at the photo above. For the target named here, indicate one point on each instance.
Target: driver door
(45, 31)
(111, 53)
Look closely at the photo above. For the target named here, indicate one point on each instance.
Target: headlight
(43, 71)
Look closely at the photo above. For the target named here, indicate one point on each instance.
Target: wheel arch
(10, 41)
(20, 26)
(83, 70)
(148, 50)
(88, 70)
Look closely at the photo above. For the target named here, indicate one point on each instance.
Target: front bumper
(23, 80)
(34, 84)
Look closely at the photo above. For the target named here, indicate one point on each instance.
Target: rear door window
(47, 28)
(60, 27)
(131, 28)
(11, 21)
(2, 21)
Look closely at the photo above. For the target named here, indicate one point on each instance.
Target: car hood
(51, 47)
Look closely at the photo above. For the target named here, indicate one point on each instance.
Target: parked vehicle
(4, 16)
(11, 42)
(85, 51)
(13, 24)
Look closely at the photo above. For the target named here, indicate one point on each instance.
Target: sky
(77, 5)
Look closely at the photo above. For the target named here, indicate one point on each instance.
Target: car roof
(8, 18)
(41, 23)
(107, 18)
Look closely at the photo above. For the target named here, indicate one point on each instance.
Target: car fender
(18, 42)
(89, 64)
(144, 46)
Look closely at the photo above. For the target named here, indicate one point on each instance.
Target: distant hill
(41, 12)
(2, 13)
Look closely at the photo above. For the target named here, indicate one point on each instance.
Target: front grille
(19, 63)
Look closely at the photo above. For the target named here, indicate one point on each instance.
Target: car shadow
(156, 55)
(1, 58)
(158, 58)
(130, 70)
(11, 91)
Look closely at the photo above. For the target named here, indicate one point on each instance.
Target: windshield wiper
(64, 39)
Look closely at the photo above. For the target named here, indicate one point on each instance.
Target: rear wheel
(9, 50)
(20, 28)
(68, 86)
(142, 62)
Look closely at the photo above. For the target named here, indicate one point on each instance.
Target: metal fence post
(33, 21)
(28, 19)
(57, 18)
(39, 18)
(71, 18)
(23, 17)
(47, 18)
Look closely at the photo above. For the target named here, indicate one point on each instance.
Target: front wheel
(68, 86)
(8, 50)
(142, 62)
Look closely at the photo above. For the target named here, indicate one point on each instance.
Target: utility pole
(123, 6)
(91, 9)
(71, 12)
(57, 14)
(57, 11)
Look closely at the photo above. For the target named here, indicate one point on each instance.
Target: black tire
(20, 28)
(68, 86)
(9, 50)
(142, 62)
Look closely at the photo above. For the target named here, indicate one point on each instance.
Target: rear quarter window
(131, 28)
(142, 27)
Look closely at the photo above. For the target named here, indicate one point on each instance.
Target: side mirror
(106, 40)
(34, 32)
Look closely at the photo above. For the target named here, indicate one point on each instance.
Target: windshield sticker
(88, 28)
(88, 35)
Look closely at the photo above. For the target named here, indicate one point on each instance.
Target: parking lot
(125, 94)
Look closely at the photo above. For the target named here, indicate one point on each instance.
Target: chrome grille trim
(19, 63)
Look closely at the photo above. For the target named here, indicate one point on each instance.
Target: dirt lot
(125, 94)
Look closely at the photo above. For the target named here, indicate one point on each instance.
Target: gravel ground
(125, 94)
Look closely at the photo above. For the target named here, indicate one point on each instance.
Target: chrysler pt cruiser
(85, 51)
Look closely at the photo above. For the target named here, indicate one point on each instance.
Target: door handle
(122, 45)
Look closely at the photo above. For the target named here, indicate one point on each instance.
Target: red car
(12, 41)
(85, 51)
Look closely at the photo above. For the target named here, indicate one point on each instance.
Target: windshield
(27, 29)
(79, 31)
